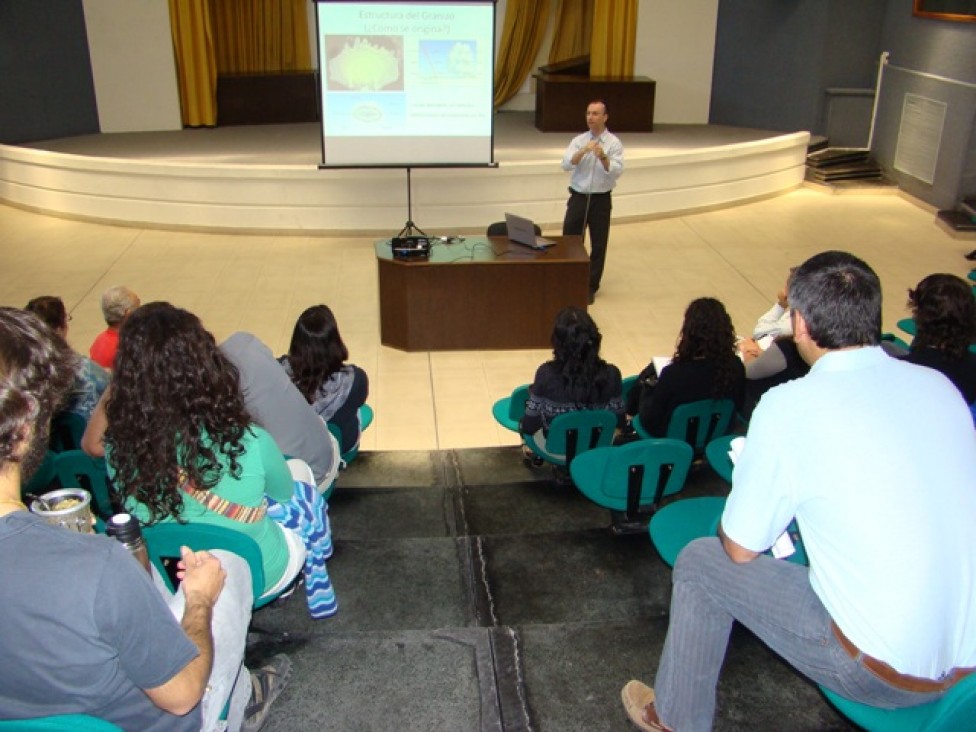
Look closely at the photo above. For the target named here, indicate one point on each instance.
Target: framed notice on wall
(962, 10)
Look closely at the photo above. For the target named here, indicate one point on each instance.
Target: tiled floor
(426, 401)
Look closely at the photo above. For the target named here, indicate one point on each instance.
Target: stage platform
(266, 179)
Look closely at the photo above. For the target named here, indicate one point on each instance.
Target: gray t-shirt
(276, 404)
(85, 629)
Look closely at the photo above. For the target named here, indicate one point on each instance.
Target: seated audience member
(117, 303)
(704, 366)
(90, 379)
(865, 451)
(277, 405)
(774, 323)
(944, 310)
(316, 364)
(180, 445)
(576, 378)
(86, 629)
(779, 363)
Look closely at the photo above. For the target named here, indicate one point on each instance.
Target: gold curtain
(573, 28)
(196, 68)
(255, 36)
(614, 39)
(522, 34)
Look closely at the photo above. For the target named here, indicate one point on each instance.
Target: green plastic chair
(631, 479)
(573, 433)
(693, 518)
(717, 455)
(59, 723)
(508, 411)
(43, 479)
(697, 423)
(163, 542)
(67, 429)
(907, 325)
(955, 711)
(77, 469)
(679, 523)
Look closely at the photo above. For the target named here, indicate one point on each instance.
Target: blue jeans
(774, 600)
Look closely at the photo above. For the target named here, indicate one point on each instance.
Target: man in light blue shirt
(875, 458)
(596, 159)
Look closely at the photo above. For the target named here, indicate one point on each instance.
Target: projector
(410, 247)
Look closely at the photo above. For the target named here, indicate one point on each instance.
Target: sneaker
(266, 684)
(637, 699)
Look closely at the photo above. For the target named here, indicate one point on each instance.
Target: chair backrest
(633, 478)
(66, 431)
(573, 433)
(59, 723)
(163, 541)
(698, 423)
(500, 228)
(681, 522)
(956, 710)
(77, 469)
(508, 411)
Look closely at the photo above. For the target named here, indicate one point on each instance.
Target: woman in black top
(945, 325)
(576, 378)
(704, 366)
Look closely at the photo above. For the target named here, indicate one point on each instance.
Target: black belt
(579, 193)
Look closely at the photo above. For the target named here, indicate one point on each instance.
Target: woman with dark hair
(316, 363)
(944, 310)
(704, 366)
(181, 446)
(90, 379)
(576, 378)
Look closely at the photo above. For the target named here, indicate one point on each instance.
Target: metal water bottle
(126, 529)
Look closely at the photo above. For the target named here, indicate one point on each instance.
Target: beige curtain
(196, 68)
(614, 39)
(522, 34)
(256, 36)
(573, 28)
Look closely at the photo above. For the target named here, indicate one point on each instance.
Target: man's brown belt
(888, 674)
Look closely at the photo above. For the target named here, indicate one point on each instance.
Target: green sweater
(263, 472)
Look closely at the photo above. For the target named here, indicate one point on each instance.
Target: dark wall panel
(46, 83)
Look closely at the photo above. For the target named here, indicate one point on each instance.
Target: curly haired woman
(704, 366)
(576, 378)
(181, 445)
(945, 325)
(316, 363)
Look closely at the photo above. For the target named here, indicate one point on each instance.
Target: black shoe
(971, 256)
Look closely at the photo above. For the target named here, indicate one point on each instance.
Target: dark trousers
(597, 220)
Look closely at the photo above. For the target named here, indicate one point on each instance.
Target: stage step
(845, 167)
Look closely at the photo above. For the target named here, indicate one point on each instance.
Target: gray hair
(117, 302)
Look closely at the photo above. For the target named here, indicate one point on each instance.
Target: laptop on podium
(522, 231)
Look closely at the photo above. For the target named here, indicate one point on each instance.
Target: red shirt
(103, 348)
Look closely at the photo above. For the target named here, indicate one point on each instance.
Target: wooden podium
(563, 90)
(485, 293)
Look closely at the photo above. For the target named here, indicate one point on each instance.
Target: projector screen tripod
(410, 228)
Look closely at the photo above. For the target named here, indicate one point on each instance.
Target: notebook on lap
(522, 231)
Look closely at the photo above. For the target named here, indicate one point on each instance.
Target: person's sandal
(266, 684)
(638, 701)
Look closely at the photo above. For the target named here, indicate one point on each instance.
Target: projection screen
(406, 84)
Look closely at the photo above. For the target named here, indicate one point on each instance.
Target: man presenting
(875, 458)
(596, 159)
(86, 630)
